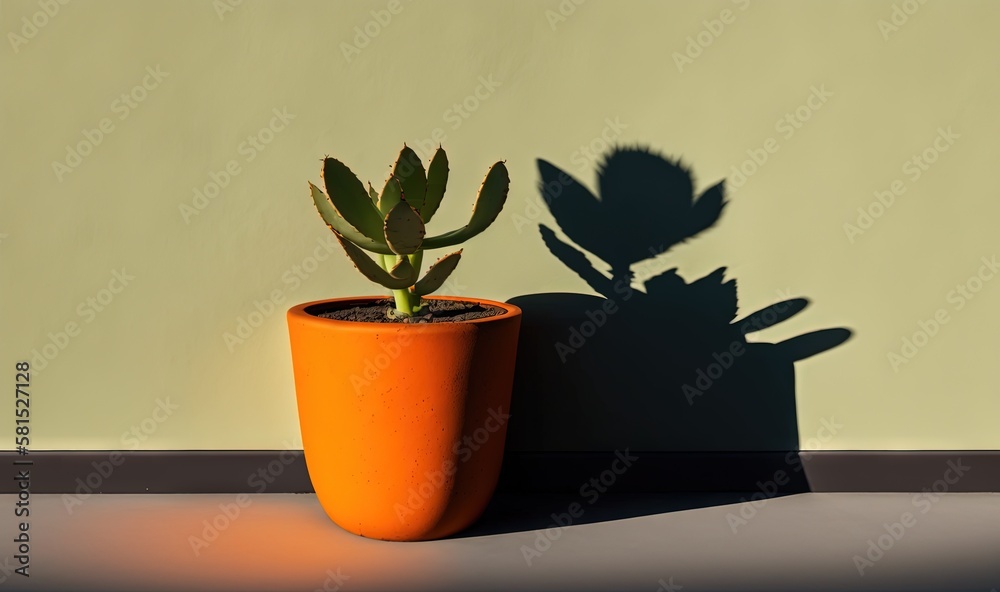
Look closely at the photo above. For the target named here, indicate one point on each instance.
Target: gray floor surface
(276, 542)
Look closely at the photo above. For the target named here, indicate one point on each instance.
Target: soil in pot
(438, 311)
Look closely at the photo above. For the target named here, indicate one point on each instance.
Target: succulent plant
(391, 224)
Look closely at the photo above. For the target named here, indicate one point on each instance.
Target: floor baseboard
(771, 473)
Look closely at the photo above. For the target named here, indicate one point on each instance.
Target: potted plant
(403, 402)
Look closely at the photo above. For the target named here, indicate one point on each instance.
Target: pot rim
(299, 313)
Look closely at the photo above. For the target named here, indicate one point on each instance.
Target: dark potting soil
(440, 311)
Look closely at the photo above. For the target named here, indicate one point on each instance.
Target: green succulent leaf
(437, 181)
(392, 194)
(412, 179)
(372, 194)
(404, 270)
(351, 200)
(401, 276)
(489, 203)
(437, 274)
(404, 230)
(341, 226)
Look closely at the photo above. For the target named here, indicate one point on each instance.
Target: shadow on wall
(665, 368)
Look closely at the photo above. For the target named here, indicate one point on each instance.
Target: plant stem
(404, 301)
(416, 259)
(403, 298)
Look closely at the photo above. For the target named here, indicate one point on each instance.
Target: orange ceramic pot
(403, 425)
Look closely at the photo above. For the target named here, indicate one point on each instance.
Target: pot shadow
(655, 363)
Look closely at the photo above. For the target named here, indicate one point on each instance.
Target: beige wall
(549, 77)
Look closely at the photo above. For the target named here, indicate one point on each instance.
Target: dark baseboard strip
(923, 470)
(769, 472)
(273, 471)
(161, 471)
(654, 471)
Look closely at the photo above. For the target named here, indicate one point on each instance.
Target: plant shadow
(654, 364)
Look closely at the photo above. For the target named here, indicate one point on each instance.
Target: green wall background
(539, 80)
